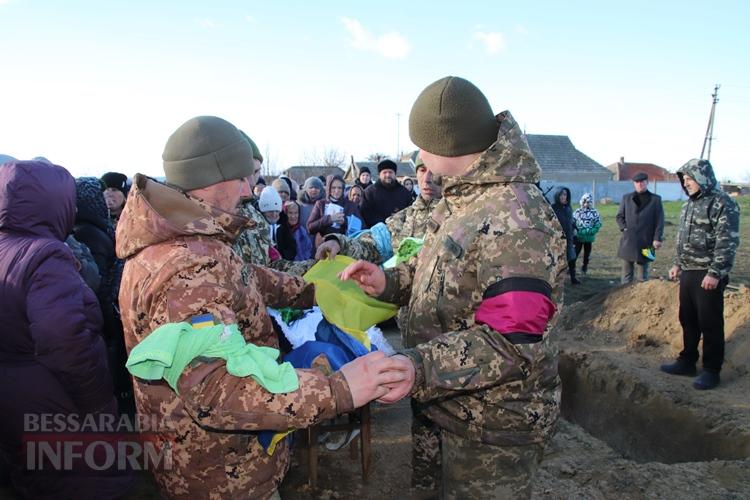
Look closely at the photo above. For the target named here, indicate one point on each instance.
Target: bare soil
(642, 433)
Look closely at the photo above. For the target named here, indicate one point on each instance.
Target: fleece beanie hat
(451, 117)
(387, 165)
(269, 200)
(206, 150)
(312, 182)
(280, 186)
(256, 151)
(117, 181)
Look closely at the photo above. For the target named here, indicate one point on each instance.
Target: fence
(669, 191)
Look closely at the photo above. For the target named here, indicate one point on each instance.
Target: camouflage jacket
(409, 222)
(253, 244)
(709, 231)
(493, 232)
(180, 263)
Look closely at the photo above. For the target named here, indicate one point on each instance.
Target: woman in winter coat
(587, 223)
(52, 358)
(312, 192)
(564, 214)
(270, 205)
(302, 241)
(330, 215)
(94, 229)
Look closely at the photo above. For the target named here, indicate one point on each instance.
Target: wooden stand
(358, 419)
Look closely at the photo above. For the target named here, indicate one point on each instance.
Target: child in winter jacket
(587, 223)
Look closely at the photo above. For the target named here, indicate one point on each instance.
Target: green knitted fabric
(170, 348)
(408, 248)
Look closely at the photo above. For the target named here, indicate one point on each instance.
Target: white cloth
(302, 330)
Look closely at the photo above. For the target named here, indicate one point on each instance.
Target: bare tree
(377, 157)
(270, 163)
(332, 157)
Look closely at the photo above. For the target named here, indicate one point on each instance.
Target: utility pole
(710, 129)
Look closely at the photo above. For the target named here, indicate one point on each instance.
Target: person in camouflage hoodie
(483, 295)
(180, 264)
(706, 245)
(410, 222)
(587, 222)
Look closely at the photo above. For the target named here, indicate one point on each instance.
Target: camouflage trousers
(425, 450)
(478, 470)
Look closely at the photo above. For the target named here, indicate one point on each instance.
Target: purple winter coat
(52, 356)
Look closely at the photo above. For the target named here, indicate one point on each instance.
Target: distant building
(300, 173)
(560, 161)
(624, 171)
(405, 169)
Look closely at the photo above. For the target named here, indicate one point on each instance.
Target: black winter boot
(707, 380)
(680, 367)
(572, 272)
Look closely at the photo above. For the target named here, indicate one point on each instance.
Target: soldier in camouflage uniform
(706, 245)
(254, 243)
(180, 264)
(482, 295)
(409, 222)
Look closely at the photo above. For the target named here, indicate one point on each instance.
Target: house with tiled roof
(624, 171)
(300, 173)
(405, 168)
(560, 161)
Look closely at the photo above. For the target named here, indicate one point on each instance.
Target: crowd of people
(91, 268)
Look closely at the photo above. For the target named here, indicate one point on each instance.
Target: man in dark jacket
(706, 245)
(384, 198)
(641, 222)
(564, 214)
(52, 358)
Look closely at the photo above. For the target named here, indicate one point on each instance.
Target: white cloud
(521, 30)
(493, 42)
(205, 23)
(250, 19)
(5, 2)
(389, 45)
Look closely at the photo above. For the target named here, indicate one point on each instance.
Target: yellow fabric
(343, 303)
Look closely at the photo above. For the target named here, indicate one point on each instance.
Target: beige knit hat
(206, 150)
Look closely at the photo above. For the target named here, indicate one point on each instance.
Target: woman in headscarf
(303, 243)
(330, 214)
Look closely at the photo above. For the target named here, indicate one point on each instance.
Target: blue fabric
(331, 334)
(304, 244)
(303, 356)
(353, 225)
(381, 236)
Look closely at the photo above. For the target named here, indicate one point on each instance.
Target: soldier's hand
(328, 249)
(656, 244)
(369, 277)
(370, 375)
(401, 389)
(674, 272)
(709, 282)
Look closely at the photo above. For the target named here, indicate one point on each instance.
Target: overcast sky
(100, 86)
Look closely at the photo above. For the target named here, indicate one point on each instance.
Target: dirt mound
(643, 318)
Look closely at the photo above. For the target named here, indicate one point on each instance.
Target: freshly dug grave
(642, 433)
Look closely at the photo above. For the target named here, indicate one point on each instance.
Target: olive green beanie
(451, 117)
(256, 151)
(206, 150)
